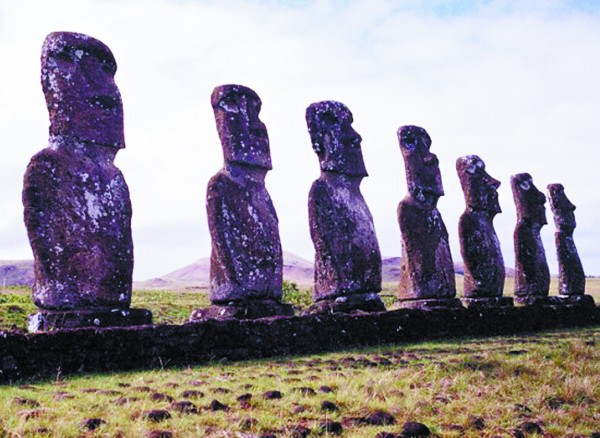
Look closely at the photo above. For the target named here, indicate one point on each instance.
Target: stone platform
(27, 356)
(48, 320)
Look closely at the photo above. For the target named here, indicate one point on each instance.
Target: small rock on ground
(413, 429)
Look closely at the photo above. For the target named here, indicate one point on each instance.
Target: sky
(517, 83)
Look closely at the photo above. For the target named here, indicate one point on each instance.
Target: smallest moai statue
(479, 245)
(571, 278)
(427, 272)
(347, 257)
(532, 276)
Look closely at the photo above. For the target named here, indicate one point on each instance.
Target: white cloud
(516, 84)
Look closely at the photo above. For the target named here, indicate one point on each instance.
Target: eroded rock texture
(532, 276)
(427, 271)
(347, 259)
(246, 257)
(571, 277)
(479, 244)
(76, 203)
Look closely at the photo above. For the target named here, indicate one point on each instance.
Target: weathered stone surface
(347, 259)
(532, 276)
(479, 244)
(56, 319)
(427, 271)
(76, 203)
(246, 257)
(246, 309)
(571, 277)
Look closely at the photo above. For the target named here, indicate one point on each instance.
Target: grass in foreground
(461, 388)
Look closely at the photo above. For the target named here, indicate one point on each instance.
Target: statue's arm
(221, 223)
(41, 195)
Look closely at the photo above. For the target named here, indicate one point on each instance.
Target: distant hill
(196, 275)
(390, 269)
(295, 269)
(16, 272)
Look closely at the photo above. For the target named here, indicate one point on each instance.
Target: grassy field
(461, 388)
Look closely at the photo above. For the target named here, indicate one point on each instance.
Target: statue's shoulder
(44, 165)
(45, 156)
(320, 189)
(220, 180)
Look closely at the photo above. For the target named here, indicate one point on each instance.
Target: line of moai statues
(78, 214)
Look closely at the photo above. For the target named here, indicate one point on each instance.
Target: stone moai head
(83, 100)
(480, 189)
(243, 135)
(562, 209)
(422, 167)
(334, 140)
(528, 199)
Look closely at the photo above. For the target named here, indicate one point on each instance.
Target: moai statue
(571, 278)
(246, 259)
(347, 259)
(479, 245)
(427, 271)
(532, 276)
(77, 206)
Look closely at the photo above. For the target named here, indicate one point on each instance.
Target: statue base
(560, 300)
(48, 320)
(251, 309)
(432, 303)
(575, 300)
(348, 304)
(487, 302)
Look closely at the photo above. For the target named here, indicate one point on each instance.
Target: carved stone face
(480, 189)
(422, 167)
(81, 95)
(562, 209)
(334, 140)
(243, 135)
(528, 199)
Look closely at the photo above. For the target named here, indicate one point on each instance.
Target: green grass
(15, 305)
(552, 379)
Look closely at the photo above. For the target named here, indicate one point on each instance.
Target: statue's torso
(427, 270)
(571, 277)
(482, 256)
(532, 275)
(246, 257)
(78, 217)
(347, 260)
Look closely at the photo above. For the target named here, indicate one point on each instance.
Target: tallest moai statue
(77, 206)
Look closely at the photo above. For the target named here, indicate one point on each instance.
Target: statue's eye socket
(329, 119)
(472, 169)
(525, 185)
